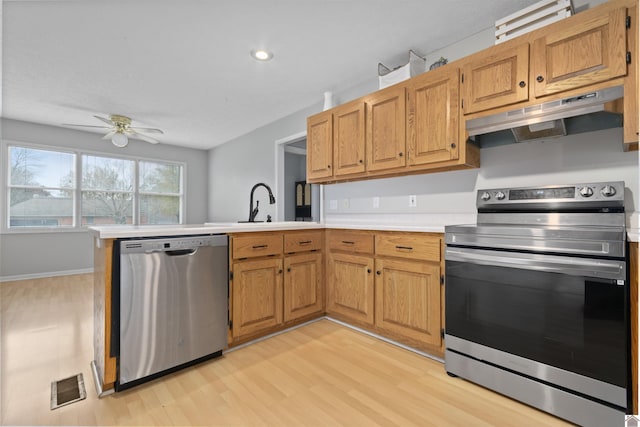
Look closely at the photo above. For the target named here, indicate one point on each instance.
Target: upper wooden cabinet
(320, 146)
(588, 52)
(385, 137)
(583, 51)
(348, 138)
(433, 117)
(500, 78)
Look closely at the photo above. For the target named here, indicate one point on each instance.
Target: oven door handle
(584, 267)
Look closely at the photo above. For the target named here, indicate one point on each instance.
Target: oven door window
(570, 322)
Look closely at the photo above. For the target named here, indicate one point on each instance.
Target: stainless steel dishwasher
(173, 304)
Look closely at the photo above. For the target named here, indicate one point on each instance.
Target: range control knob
(608, 191)
(500, 195)
(485, 196)
(586, 191)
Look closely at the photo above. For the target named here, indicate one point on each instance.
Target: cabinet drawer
(256, 245)
(413, 246)
(300, 242)
(350, 241)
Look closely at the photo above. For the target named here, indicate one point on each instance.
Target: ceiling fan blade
(146, 130)
(87, 126)
(107, 121)
(145, 138)
(109, 135)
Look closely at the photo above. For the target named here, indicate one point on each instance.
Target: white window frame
(78, 227)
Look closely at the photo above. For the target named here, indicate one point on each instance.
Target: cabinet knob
(360, 160)
(289, 270)
(400, 154)
(539, 79)
(453, 145)
(328, 166)
(280, 271)
(369, 270)
(522, 84)
(378, 272)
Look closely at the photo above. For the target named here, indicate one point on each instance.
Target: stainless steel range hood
(549, 119)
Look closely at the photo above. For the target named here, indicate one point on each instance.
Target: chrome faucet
(253, 212)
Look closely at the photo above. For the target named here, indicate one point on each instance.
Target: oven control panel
(603, 194)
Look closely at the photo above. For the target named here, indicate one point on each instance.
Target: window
(57, 189)
(41, 188)
(107, 190)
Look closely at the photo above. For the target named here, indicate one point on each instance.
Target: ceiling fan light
(120, 139)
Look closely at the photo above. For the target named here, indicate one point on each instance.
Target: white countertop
(125, 231)
(128, 231)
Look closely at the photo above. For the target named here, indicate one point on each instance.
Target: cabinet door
(320, 146)
(432, 122)
(302, 285)
(408, 299)
(496, 80)
(350, 286)
(385, 137)
(348, 138)
(587, 52)
(257, 296)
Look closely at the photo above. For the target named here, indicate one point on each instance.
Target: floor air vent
(66, 391)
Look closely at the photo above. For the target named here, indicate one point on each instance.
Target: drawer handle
(305, 242)
(348, 242)
(260, 246)
(404, 248)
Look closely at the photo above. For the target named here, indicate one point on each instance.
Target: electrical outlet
(376, 202)
(345, 203)
(333, 205)
(413, 201)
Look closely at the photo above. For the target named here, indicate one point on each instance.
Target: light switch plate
(413, 201)
(333, 205)
(345, 203)
(376, 202)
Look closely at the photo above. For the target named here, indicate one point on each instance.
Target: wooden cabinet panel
(350, 286)
(386, 129)
(257, 245)
(304, 241)
(433, 117)
(413, 246)
(320, 146)
(497, 79)
(257, 296)
(582, 54)
(348, 138)
(351, 241)
(302, 285)
(408, 299)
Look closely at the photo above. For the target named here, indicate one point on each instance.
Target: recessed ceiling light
(261, 55)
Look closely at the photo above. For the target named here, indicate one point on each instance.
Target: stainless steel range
(537, 299)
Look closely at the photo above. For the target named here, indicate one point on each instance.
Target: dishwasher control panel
(171, 244)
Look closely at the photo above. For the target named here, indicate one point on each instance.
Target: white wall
(33, 254)
(583, 158)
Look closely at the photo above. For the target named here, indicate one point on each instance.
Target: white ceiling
(184, 66)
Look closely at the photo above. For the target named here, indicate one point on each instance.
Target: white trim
(387, 340)
(295, 150)
(44, 275)
(339, 322)
(279, 170)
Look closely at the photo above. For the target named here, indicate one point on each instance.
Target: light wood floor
(322, 374)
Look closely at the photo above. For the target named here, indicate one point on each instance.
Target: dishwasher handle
(181, 252)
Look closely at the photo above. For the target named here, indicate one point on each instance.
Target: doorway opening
(296, 199)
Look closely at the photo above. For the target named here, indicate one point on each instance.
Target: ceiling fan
(120, 129)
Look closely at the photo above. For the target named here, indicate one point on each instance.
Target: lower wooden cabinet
(302, 285)
(408, 299)
(257, 296)
(350, 291)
